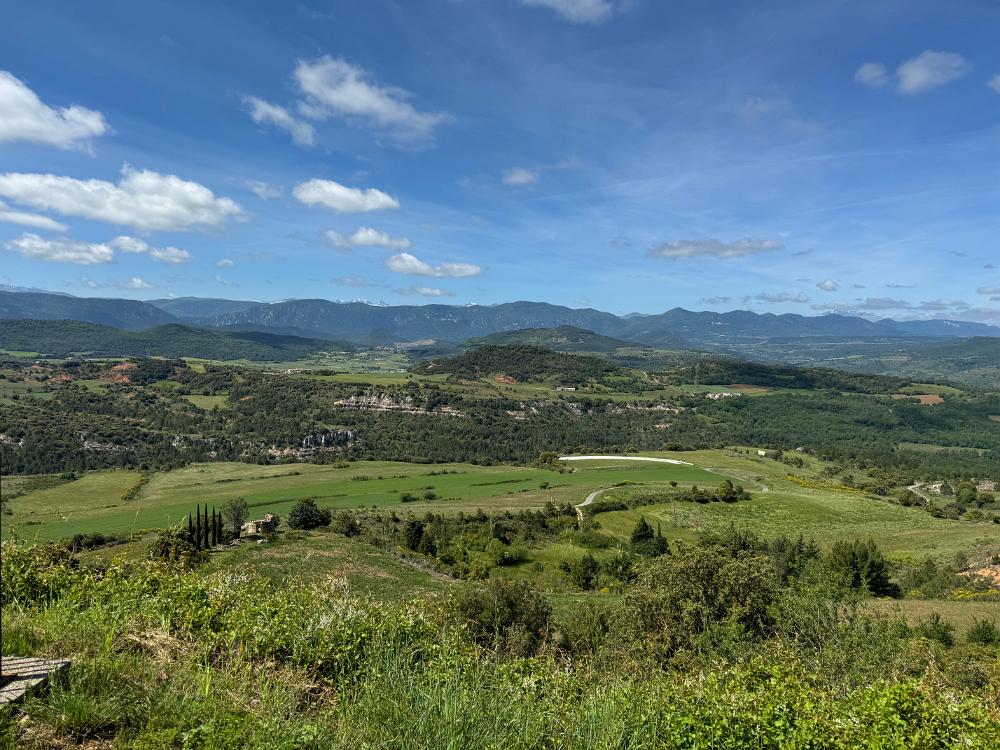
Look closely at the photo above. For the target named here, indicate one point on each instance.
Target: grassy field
(208, 403)
(960, 614)
(779, 506)
(326, 556)
(789, 509)
(94, 502)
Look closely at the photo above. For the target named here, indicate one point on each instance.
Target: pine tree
(642, 532)
(197, 527)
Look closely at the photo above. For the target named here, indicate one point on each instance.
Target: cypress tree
(190, 528)
(205, 529)
(197, 527)
(215, 528)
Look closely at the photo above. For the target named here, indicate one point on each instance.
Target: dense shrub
(175, 545)
(863, 566)
(681, 597)
(305, 514)
(511, 616)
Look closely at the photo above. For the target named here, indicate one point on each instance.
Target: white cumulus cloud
(828, 285)
(27, 219)
(265, 113)
(367, 237)
(61, 250)
(930, 69)
(994, 83)
(334, 87)
(170, 255)
(577, 11)
(225, 263)
(872, 74)
(343, 199)
(410, 264)
(25, 117)
(141, 198)
(713, 248)
(136, 283)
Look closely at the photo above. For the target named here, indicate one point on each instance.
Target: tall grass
(170, 659)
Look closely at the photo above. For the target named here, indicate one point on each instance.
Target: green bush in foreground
(165, 658)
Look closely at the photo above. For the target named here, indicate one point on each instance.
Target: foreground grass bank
(165, 658)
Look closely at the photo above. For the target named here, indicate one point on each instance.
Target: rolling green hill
(524, 363)
(62, 338)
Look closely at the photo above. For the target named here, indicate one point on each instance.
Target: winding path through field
(594, 495)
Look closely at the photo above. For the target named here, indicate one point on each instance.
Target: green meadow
(94, 503)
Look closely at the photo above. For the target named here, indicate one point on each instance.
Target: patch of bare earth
(928, 399)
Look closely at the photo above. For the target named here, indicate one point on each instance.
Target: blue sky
(629, 155)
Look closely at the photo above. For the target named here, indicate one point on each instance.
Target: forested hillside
(523, 362)
(60, 417)
(723, 371)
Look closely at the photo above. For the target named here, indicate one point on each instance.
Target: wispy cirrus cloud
(773, 298)
(264, 190)
(424, 291)
(520, 177)
(714, 248)
(884, 304)
(333, 87)
(577, 11)
(872, 74)
(28, 219)
(265, 113)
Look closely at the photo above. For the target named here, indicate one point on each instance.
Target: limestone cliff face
(387, 402)
(329, 438)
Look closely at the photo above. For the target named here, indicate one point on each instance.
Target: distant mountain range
(384, 325)
(62, 338)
